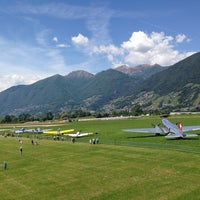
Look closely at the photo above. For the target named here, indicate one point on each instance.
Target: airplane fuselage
(171, 128)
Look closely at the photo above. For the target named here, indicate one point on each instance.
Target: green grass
(122, 166)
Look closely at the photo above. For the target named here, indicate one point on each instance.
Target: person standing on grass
(5, 165)
(20, 150)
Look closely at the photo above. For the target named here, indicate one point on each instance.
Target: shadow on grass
(144, 136)
(150, 136)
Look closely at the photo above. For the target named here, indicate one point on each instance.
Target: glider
(78, 134)
(59, 132)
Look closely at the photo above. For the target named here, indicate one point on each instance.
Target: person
(73, 139)
(5, 165)
(20, 150)
(93, 141)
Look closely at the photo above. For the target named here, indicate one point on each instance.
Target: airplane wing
(67, 131)
(181, 136)
(156, 130)
(57, 132)
(84, 134)
(140, 130)
(78, 134)
(190, 128)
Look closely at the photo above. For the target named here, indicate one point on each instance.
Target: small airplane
(25, 130)
(21, 130)
(78, 134)
(170, 130)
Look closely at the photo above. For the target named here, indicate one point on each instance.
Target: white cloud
(142, 48)
(80, 40)
(139, 41)
(109, 49)
(24, 64)
(55, 39)
(17, 79)
(181, 37)
(63, 45)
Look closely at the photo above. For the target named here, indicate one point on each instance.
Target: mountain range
(151, 86)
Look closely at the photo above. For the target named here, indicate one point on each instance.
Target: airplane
(21, 130)
(170, 130)
(78, 134)
(25, 130)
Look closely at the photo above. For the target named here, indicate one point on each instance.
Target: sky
(41, 38)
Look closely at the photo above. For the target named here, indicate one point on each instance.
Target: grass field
(122, 166)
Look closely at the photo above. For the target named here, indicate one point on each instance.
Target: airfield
(122, 166)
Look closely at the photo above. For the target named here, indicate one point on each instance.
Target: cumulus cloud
(152, 48)
(80, 40)
(139, 41)
(143, 48)
(111, 51)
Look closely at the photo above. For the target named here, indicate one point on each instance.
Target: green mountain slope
(49, 94)
(77, 90)
(106, 86)
(175, 77)
(178, 86)
(175, 87)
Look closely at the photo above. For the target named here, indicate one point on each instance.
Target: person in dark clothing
(20, 150)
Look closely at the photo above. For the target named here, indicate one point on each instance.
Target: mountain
(106, 86)
(177, 86)
(58, 93)
(153, 87)
(50, 94)
(141, 71)
(79, 78)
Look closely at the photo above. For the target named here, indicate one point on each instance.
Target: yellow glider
(59, 132)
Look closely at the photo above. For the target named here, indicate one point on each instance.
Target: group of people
(94, 141)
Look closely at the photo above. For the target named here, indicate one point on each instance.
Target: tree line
(49, 116)
(135, 110)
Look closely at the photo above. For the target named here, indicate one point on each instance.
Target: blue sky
(41, 38)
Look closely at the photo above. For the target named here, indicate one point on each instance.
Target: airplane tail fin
(180, 127)
(78, 133)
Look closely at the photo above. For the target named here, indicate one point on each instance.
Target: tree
(48, 116)
(137, 110)
(25, 117)
(7, 119)
(63, 115)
